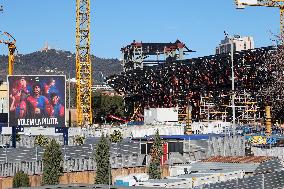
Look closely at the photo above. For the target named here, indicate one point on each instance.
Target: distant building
(105, 90)
(240, 43)
(102, 87)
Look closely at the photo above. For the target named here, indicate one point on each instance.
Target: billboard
(36, 100)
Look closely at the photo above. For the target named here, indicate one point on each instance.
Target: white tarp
(154, 115)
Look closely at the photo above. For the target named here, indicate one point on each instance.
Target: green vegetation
(156, 154)
(79, 139)
(103, 172)
(41, 140)
(52, 163)
(116, 136)
(21, 179)
(59, 61)
(18, 137)
(107, 105)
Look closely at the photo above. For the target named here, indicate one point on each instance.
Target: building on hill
(46, 47)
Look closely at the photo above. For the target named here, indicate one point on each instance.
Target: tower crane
(267, 3)
(83, 63)
(11, 42)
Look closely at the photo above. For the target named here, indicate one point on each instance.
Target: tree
(79, 139)
(21, 179)
(116, 136)
(156, 154)
(18, 137)
(52, 163)
(41, 140)
(104, 105)
(272, 91)
(103, 172)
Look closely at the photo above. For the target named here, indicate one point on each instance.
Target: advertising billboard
(36, 100)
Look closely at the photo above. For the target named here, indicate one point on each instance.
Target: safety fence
(69, 165)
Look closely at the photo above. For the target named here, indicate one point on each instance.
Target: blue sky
(115, 23)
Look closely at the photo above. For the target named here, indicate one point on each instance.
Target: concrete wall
(84, 177)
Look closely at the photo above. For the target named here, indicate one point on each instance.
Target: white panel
(153, 115)
(167, 114)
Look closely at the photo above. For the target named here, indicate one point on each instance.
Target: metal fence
(69, 165)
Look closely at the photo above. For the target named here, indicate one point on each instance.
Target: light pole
(233, 84)
(69, 95)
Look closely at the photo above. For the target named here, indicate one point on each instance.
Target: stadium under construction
(208, 122)
(157, 76)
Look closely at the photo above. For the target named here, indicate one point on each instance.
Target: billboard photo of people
(36, 101)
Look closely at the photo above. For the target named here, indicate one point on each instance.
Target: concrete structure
(240, 43)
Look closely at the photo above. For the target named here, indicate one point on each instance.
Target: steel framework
(11, 43)
(139, 54)
(266, 3)
(83, 63)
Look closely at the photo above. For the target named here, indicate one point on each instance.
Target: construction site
(220, 117)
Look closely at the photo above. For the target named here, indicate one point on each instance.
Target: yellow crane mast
(83, 63)
(11, 42)
(267, 3)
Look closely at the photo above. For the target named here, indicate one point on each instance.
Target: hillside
(54, 62)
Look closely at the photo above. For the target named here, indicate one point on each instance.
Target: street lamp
(233, 84)
(69, 91)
